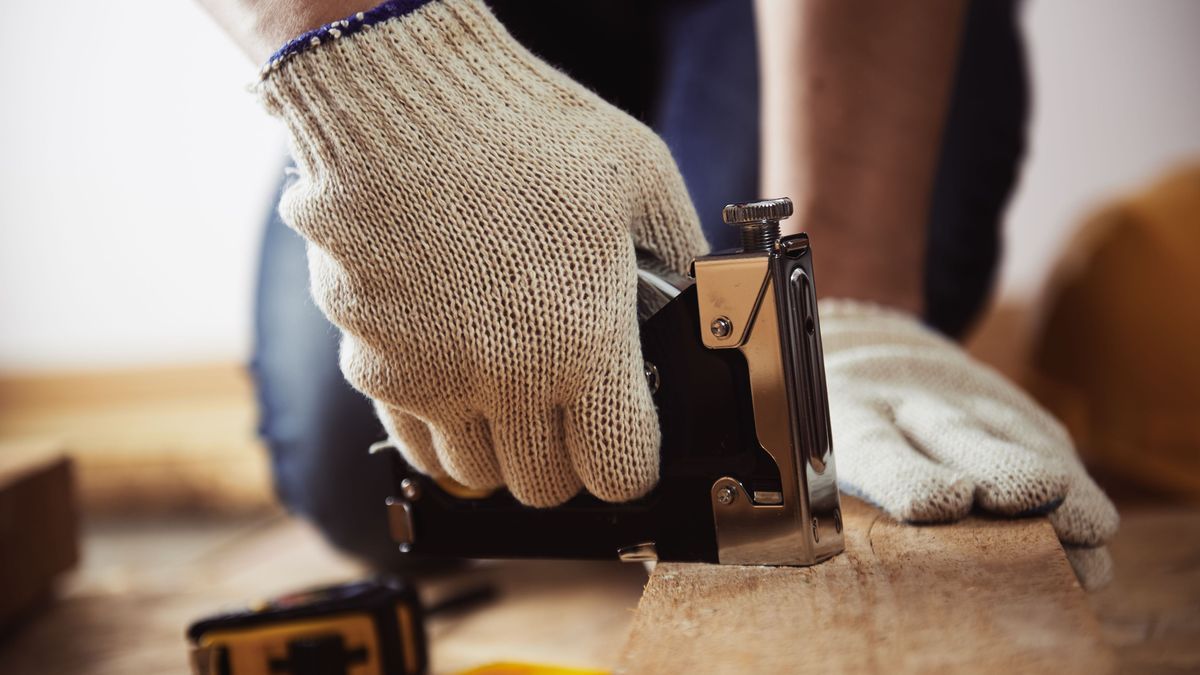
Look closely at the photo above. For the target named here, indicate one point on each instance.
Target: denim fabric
(687, 67)
(982, 146)
(707, 108)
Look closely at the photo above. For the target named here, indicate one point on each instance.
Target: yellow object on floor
(503, 668)
(1116, 355)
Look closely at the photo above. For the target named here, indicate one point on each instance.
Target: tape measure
(362, 628)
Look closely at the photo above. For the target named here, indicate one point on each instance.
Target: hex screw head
(721, 327)
(652, 378)
(726, 495)
(410, 490)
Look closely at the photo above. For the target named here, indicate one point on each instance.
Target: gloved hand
(471, 216)
(925, 432)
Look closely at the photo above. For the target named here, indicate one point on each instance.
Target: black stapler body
(747, 474)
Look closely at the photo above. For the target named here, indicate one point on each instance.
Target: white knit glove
(472, 216)
(925, 432)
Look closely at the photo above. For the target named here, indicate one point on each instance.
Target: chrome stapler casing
(747, 473)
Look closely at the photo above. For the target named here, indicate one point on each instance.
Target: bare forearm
(262, 26)
(854, 96)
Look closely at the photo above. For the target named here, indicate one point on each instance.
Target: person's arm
(418, 125)
(854, 96)
(262, 26)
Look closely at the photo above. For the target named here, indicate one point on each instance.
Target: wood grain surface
(158, 453)
(141, 582)
(979, 596)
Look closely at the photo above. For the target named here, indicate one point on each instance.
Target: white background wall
(135, 169)
(1116, 102)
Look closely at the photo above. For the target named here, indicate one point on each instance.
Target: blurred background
(136, 171)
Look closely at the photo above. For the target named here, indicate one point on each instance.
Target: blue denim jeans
(689, 68)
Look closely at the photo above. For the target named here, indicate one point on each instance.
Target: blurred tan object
(39, 525)
(1117, 355)
(170, 439)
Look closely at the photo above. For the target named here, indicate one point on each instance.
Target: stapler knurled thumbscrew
(733, 358)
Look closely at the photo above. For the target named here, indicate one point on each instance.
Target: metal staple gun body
(733, 356)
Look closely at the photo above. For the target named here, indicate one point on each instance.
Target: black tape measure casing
(361, 628)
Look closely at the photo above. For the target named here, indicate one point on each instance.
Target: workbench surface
(125, 610)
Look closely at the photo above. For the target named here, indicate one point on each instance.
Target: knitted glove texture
(472, 216)
(926, 432)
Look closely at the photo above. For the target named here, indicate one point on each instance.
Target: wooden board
(39, 526)
(979, 596)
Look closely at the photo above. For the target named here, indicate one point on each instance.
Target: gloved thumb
(1093, 566)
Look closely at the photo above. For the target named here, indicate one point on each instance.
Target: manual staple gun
(733, 356)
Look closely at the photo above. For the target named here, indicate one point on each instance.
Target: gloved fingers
(952, 382)
(1012, 481)
(1009, 479)
(1093, 566)
(412, 438)
(1086, 517)
(533, 457)
(664, 222)
(877, 463)
(878, 343)
(1014, 416)
(613, 436)
(464, 448)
